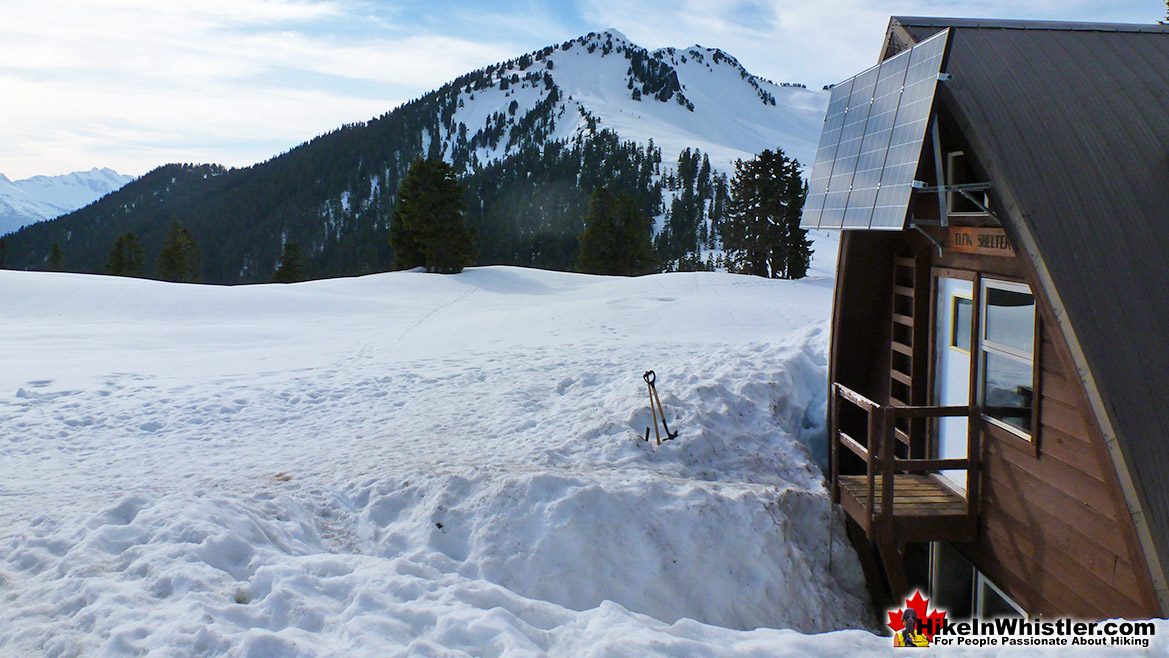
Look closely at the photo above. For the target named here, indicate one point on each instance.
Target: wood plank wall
(1055, 532)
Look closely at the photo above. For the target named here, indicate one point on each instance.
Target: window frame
(953, 341)
(1013, 353)
(981, 584)
(956, 161)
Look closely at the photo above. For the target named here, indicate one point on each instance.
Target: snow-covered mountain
(680, 98)
(531, 137)
(31, 200)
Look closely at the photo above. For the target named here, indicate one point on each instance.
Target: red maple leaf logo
(930, 623)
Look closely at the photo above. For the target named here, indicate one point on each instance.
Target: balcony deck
(922, 507)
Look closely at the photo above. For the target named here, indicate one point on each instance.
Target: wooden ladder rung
(905, 291)
(903, 319)
(901, 377)
(904, 261)
(907, 350)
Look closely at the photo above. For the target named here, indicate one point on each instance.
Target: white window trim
(954, 321)
(981, 583)
(1001, 350)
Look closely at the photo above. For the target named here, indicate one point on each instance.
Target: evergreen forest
(326, 208)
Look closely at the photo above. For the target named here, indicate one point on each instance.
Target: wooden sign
(982, 241)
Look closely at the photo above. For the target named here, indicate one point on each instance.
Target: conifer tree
(428, 228)
(3, 253)
(797, 252)
(291, 264)
(179, 258)
(600, 243)
(617, 237)
(126, 257)
(56, 256)
(761, 233)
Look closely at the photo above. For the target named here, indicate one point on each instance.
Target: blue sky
(133, 84)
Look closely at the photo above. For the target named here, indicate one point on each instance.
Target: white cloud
(820, 41)
(132, 84)
(143, 129)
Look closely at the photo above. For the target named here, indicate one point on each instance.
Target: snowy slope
(352, 465)
(412, 464)
(719, 107)
(730, 117)
(31, 200)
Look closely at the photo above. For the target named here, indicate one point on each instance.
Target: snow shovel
(650, 378)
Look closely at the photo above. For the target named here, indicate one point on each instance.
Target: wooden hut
(1000, 337)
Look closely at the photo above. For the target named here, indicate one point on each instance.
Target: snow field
(412, 464)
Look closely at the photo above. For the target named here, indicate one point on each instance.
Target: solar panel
(855, 119)
(871, 142)
(826, 152)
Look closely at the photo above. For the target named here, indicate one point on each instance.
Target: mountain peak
(532, 136)
(615, 34)
(693, 97)
(37, 198)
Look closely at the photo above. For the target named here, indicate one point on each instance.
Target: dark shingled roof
(1071, 122)
(921, 27)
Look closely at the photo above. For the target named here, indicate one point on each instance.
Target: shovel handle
(657, 435)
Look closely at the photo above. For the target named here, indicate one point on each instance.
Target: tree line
(533, 209)
(760, 233)
(178, 260)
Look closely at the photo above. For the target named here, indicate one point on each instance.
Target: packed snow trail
(413, 464)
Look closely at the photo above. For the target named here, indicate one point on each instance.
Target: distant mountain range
(35, 199)
(531, 137)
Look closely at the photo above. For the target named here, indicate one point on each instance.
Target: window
(952, 579)
(990, 602)
(963, 591)
(957, 173)
(1007, 355)
(960, 323)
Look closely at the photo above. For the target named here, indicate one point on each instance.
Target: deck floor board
(913, 495)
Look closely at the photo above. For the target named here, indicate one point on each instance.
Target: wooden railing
(879, 452)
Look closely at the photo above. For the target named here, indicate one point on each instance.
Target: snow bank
(413, 464)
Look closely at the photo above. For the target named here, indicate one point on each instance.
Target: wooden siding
(1054, 531)
(1055, 521)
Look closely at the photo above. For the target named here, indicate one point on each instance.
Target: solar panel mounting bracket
(965, 189)
(917, 226)
(943, 206)
(961, 187)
